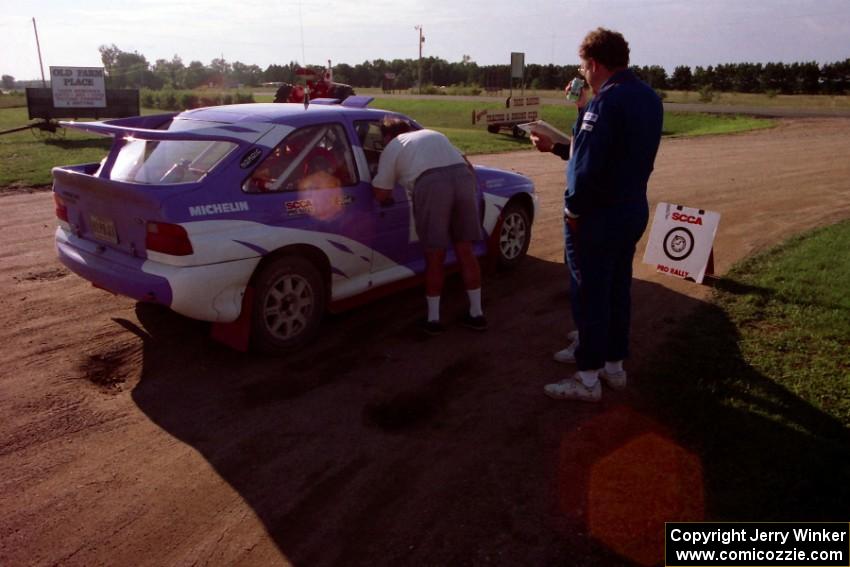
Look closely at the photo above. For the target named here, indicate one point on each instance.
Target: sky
(660, 32)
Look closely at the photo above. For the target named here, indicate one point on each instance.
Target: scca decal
(302, 207)
(690, 219)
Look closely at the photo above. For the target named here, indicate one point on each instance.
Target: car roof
(279, 113)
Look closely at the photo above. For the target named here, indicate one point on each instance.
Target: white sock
(589, 377)
(475, 302)
(433, 307)
(614, 367)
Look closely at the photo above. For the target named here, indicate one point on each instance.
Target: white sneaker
(615, 380)
(568, 355)
(574, 389)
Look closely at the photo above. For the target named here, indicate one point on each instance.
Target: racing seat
(330, 162)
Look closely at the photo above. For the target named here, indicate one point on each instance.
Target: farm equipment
(316, 85)
(41, 129)
(518, 110)
(120, 103)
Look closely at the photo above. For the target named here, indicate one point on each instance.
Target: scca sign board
(78, 87)
(681, 240)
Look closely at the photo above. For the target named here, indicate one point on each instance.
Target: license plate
(103, 229)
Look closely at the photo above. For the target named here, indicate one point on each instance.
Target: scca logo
(303, 207)
(690, 219)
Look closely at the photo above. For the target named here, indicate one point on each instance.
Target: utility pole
(421, 41)
(38, 46)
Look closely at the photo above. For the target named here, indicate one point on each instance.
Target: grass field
(26, 160)
(758, 383)
(718, 99)
(777, 101)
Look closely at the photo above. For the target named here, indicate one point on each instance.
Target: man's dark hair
(392, 127)
(607, 47)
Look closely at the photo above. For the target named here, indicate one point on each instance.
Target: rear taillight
(168, 238)
(61, 208)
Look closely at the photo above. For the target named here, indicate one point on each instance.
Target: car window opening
(315, 157)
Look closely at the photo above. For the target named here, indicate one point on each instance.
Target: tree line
(133, 70)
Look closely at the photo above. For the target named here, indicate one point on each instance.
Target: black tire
(340, 91)
(288, 306)
(282, 94)
(493, 129)
(518, 132)
(514, 235)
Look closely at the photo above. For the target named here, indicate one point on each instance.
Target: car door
(310, 193)
(398, 253)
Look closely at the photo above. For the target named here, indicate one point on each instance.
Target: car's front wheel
(514, 235)
(289, 302)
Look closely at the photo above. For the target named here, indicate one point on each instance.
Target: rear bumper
(111, 270)
(209, 293)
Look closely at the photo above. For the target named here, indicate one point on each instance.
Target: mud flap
(236, 335)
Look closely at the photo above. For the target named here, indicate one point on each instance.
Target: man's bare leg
(434, 278)
(470, 271)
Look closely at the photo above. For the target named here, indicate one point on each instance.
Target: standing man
(615, 140)
(442, 184)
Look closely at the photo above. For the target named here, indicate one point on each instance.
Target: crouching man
(441, 183)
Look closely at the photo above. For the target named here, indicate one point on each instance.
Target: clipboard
(542, 127)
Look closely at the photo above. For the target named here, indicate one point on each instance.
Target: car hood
(492, 179)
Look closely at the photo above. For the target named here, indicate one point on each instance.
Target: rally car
(258, 217)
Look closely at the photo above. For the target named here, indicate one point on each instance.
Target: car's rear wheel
(514, 235)
(493, 128)
(289, 302)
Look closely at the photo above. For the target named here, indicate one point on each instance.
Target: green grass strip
(757, 383)
(794, 317)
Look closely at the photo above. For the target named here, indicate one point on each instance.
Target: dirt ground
(130, 438)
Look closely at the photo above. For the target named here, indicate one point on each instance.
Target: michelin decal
(218, 208)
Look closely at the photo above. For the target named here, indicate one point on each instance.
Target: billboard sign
(78, 87)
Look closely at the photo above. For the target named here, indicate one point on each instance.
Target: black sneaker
(433, 328)
(478, 323)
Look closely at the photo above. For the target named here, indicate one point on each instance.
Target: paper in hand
(541, 127)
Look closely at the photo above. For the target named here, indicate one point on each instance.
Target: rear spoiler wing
(145, 128)
(351, 102)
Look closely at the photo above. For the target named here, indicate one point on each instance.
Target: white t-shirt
(411, 154)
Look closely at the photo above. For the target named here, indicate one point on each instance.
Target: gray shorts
(445, 207)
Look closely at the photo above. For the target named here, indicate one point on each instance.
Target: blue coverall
(615, 140)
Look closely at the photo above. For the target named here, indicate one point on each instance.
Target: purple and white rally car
(257, 217)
